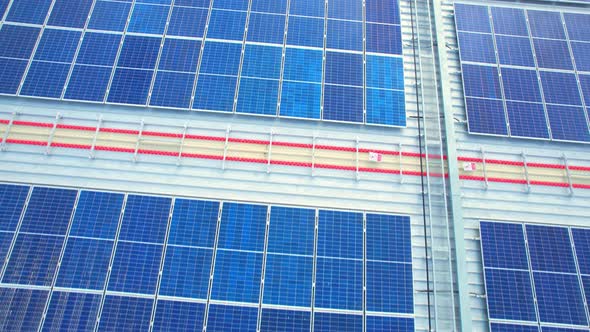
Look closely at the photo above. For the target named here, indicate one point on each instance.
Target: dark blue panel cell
(98, 49)
(258, 96)
(269, 6)
(179, 316)
(88, 83)
(186, 272)
(109, 15)
(582, 245)
(345, 35)
(578, 26)
(305, 31)
(188, 22)
(231, 4)
(510, 295)
(72, 312)
(560, 88)
(11, 73)
(382, 11)
(383, 38)
(478, 47)
(28, 11)
(3, 6)
(266, 28)
(227, 25)
(552, 54)
(390, 324)
(521, 84)
(85, 263)
(340, 234)
(12, 200)
(215, 93)
(121, 313)
(386, 107)
(262, 61)
(57, 45)
(130, 86)
(527, 119)
(291, 231)
(148, 19)
(509, 21)
(135, 268)
(17, 41)
(303, 65)
(346, 9)
(586, 285)
(559, 329)
(326, 322)
(581, 53)
(237, 276)
(482, 81)
(49, 211)
(559, 298)
(472, 18)
(287, 280)
(221, 58)
(285, 320)
(388, 238)
(194, 223)
(339, 283)
(139, 52)
(242, 227)
(314, 8)
(97, 214)
(546, 24)
(66, 13)
(180, 55)
(45, 79)
(172, 89)
(22, 309)
(585, 85)
(161, 2)
(389, 287)
(550, 249)
(568, 123)
(5, 242)
(224, 318)
(145, 219)
(192, 3)
(343, 103)
(503, 245)
(33, 260)
(344, 68)
(301, 100)
(486, 116)
(515, 51)
(497, 327)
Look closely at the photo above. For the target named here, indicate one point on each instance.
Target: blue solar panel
(486, 116)
(342, 103)
(57, 45)
(339, 283)
(66, 13)
(192, 3)
(527, 119)
(11, 73)
(521, 84)
(237, 276)
(186, 272)
(346, 9)
(125, 314)
(340, 234)
(97, 214)
(581, 55)
(139, 52)
(180, 55)
(301, 100)
(12, 200)
(388, 238)
(98, 49)
(269, 6)
(109, 16)
(314, 8)
(285, 320)
(581, 241)
(497, 327)
(545, 24)
(305, 31)
(559, 329)
(189, 22)
(578, 26)
(386, 107)
(72, 312)
(262, 61)
(85, 263)
(148, 19)
(472, 18)
(515, 51)
(559, 298)
(509, 21)
(345, 35)
(389, 287)
(229, 25)
(17, 41)
(3, 6)
(258, 96)
(266, 28)
(288, 280)
(390, 324)
(481, 81)
(383, 38)
(88, 83)
(585, 85)
(242, 227)
(49, 211)
(478, 47)
(385, 72)
(382, 11)
(344, 68)
(221, 58)
(193, 223)
(172, 89)
(568, 123)
(5, 242)
(291, 231)
(215, 93)
(145, 219)
(560, 88)
(327, 322)
(135, 268)
(303, 65)
(503, 245)
(179, 316)
(553, 54)
(510, 295)
(130, 86)
(586, 286)
(223, 318)
(45, 79)
(22, 309)
(28, 11)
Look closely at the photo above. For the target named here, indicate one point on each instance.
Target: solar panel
(179, 316)
(285, 320)
(72, 311)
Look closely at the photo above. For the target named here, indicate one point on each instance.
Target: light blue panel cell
(180, 55)
(229, 25)
(45, 79)
(581, 55)
(5, 243)
(237, 276)
(130, 86)
(12, 200)
(314, 8)
(221, 58)
(193, 3)
(388, 238)
(382, 11)
(242, 227)
(344, 68)
(550, 249)
(145, 219)
(33, 260)
(510, 295)
(98, 49)
(477, 47)
(346, 9)
(527, 119)
(301, 100)
(231, 4)
(224, 318)
(553, 54)
(386, 107)
(342, 103)
(179, 316)
(287, 280)
(72, 311)
(578, 26)
(85, 263)
(258, 96)
(385, 72)
(122, 313)
(186, 272)
(559, 298)
(515, 51)
(28, 11)
(17, 41)
(486, 116)
(389, 324)
(303, 65)
(49, 211)
(266, 28)
(66, 13)
(135, 268)
(57, 45)
(148, 19)
(560, 88)
(339, 283)
(509, 21)
(545, 24)
(483, 81)
(497, 327)
(88, 83)
(291, 231)
(581, 241)
(189, 22)
(568, 123)
(503, 245)
(383, 38)
(520, 84)
(340, 234)
(215, 93)
(472, 18)
(305, 31)
(11, 74)
(97, 215)
(109, 15)
(285, 320)
(389, 287)
(269, 6)
(161, 2)
(194, 223)
(326, 322)
(172, 89)
(262, 61)
(22, 309)
(139, 52)
(345, 35)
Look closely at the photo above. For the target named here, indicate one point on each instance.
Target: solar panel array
(526, 73)
(290, 58)
(105, 261)
(537, 277)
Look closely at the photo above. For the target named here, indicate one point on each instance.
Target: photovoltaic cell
(343, 103)
(313, 8)
(509, 21)
(568, 123)
(285, 320)
(344, 68)
(389, 287)
(303, 65)
(266, 28)
(262, 61)
(472, 18)
(49, 211)
(288, 280)
(186, 272)
(521, 84)
(382, 11)
(97, 214)
(339, 283)
(242, 227)
(385, 107)
(291, 231)
(486, 116)
(22, 309)
(346, 9)
(301, 100)
(560, 88)
(179, 316)
(388, 238)
(391, 324)
(340, 234)
(305, 31)
(221, 58)
(147, 18)
(88, 83)
(478, 47)
(139, 52)
(72, 311)
(188, 22)
(229, 25)
(326, 322)
(481, 81)
(385, 72)
(215, 93)
(135, 268)
(510, 295)
(545, 24)
(12, 200)
(527, 119)
(28, 11)
(180, 55)
(232, 319)
(98, 49)
(65, 13)
(237, 276)
(553, 54)
(57, 45)
(581, 239)
(578, 26)
(121, 313)
(45, 79)
(11, 72)
(258, 96)
(145, 219)
(109, 15)
(193, 223)
(382, 38)
(17, 41)
(559, 298)
(85, 263)
(514, 51)
(581, 57)
(345, 35)
(172, 89)
(497, 327)
(503, 245)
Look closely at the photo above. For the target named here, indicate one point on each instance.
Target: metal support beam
(52, 133)
(7, 132)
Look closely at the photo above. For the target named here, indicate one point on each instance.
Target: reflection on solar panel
(86, 260)
(308, 59)
(535, 275)
(524, 73)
